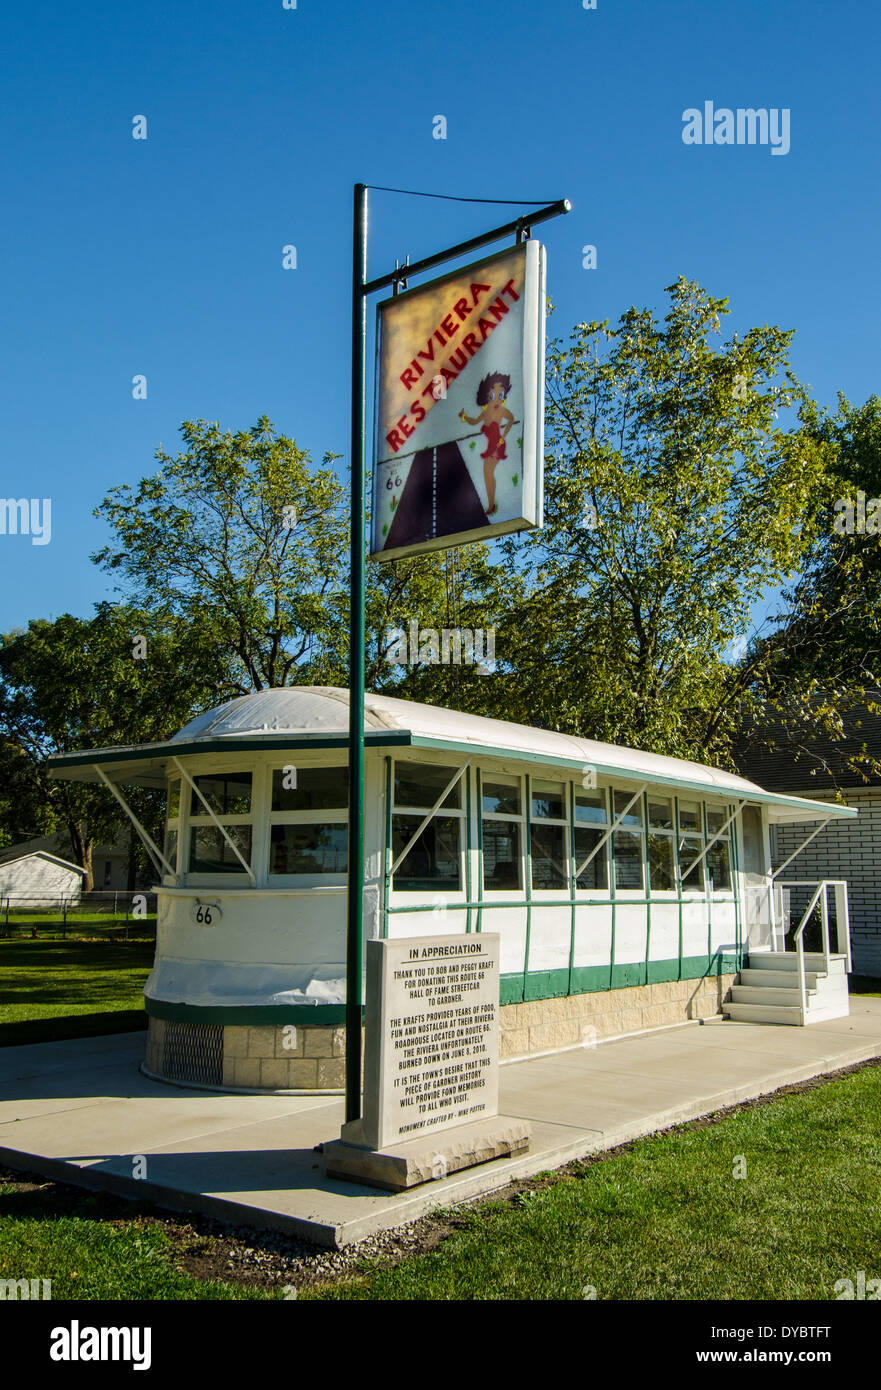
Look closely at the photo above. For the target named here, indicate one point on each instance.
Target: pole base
(401, 1166)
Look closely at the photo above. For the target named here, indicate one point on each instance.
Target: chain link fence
(105, 911)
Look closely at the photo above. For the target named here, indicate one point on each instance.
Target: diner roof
(318, 717)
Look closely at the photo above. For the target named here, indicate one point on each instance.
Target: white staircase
(769, 989)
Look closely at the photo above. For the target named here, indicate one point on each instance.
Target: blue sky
(163, 257)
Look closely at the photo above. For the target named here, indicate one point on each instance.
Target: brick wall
(850, 850)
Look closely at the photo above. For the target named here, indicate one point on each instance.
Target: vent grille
(193, 1052)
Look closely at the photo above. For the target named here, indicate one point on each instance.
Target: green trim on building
(624, 774)
(527, 834)
(250, 1016)
(595, 979)
(468, 849)
(572, 867)
(478, 778)
(389, 849)
(514, 989)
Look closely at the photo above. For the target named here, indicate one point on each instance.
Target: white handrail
(799, 941)
(842, 923)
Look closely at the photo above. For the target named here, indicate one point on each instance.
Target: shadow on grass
(40, 1030)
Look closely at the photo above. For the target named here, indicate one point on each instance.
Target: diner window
(226, 794)
(229, 796)
(547, 835)
(719, 854)
(210, 852)
(501, 813)
(170, 847)
(172, 823)
(690, 816)
(434, 859)
(309, 821)
(627, 847)
(661, 857)
(691, 842)
(591, 819)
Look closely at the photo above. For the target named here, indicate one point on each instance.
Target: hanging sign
(460, 406)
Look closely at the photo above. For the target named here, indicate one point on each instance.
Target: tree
(821, 664)
(240, 536)
(674, 498)
(243, 537)
(454, 589)
(120, 677)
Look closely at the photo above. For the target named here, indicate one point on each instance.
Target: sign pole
(361, 288)
(355, 912)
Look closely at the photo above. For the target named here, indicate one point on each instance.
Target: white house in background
(42, 876)
(109, 862)
(628, 888)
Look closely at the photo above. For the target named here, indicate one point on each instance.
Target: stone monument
(431, 1065)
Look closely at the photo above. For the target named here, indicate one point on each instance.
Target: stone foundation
(279, 1059)
(310, 1058)
(550, 1025)
(265, 1058)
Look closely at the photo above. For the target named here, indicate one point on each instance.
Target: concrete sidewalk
(80, 1111)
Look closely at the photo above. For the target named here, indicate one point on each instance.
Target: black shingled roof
(804, 759)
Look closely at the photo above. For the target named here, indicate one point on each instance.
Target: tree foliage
(240, 535)
(675, 496)
(821, 664)
(123, 676)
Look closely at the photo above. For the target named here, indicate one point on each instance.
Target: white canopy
(318, 716)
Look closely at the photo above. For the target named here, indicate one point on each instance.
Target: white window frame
(725, 835)
(662, 894)
(427, 813)
(696, 841)
(640, 893)
(174, 823)
(335, 816)
(603, 848)
(488, 893)
(552, 895)
(205, 877)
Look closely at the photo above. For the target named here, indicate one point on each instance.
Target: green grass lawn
(76, 924)
(51, 989)
(90, 1258)
(663, 1219)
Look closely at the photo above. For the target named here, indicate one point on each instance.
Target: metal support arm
(160, 863)
(709, 845)
(229, 840)
(424, 822)
(610, 832)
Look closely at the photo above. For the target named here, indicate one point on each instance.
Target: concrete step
(763, 1013)
(778, 979)
(819, 1011)
(788, 960)
(744, 994)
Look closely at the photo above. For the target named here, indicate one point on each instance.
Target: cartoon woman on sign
(495, 419)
